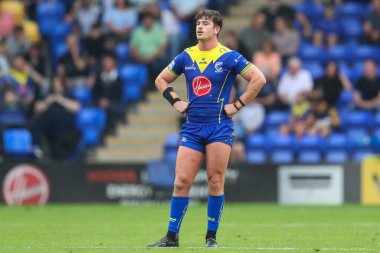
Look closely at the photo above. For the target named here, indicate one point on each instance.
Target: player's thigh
(188, 163)
(217, 156)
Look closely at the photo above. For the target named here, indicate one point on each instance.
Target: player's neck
(208, 45)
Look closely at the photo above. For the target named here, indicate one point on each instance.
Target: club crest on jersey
(218, 66)
(201, 85)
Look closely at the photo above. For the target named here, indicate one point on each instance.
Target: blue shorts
(197, 137)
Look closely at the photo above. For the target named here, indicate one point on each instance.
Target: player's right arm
(163, 81)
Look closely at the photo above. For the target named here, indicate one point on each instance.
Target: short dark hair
(212, 15)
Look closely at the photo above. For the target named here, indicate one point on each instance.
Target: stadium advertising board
(370, 181)
(39, 183)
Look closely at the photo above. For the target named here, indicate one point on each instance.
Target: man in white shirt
(294, 82)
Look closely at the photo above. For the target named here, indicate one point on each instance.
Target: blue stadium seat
(160, 173)
(132, 93)
(337, 141)
(336, 156)
(17, 141)
(309, 157)
(377, 119)
(356, 119)
(91, 136)
(50, 9)
(366, 52)
(276, 118)
(346, 97)
(338, 53)
(82, 94)
(12, 118)
(282, 157)
(91, 118)
(359, 155)
(350, 28)
(313, 142)
(257, 141)
(123, 53)
(283, 142)
(309, 52)
(134, 73)
(359, 139)
(172, 141)
(314, 67)
(351, 10)
(256, 157)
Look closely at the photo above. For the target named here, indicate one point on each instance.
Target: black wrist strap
(241, 102)
(168, 96)
(236, 107)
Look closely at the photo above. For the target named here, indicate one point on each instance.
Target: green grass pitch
(244, 228)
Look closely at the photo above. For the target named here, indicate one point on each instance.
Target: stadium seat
(16, 8)
(91, 136)
(172, 141)
(309, 157)
(315, 68)
(356, 119)
(283, 142)
(359, 139)
(256, 157)
(91, 118)
(17, 141)
(160, 173)
(338, 53)
(351, 10)
(50, 10)
(257, 141)
(308, 142)
(134, 73)
(12, 118)
(359, 155)
(122, 52)
(337, 141)
(282, 157)
(82, 94)
(346, 97)
(276, 118)
(60, 31)
(350, 28)
(376, 119)
(336, 157)
(132, 93)
(309, 52)
(366, 52)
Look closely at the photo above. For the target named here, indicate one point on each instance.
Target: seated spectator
(254, 34)
(274, 9)
(94, 44)
(323, 119)
(73, 63)
(367, 89)
(4, 64)
(268, 97)
(86, 13)
(371, 25)
(294, 82)
(55, 122)
(231, 41)
(148, 44)
(286, 39)
(297, 123)
(37, 63)
(331, 84)
(120, 20)
(107, 93)
(18, 43)
(304, 26)
(268, 60)
(328, 26)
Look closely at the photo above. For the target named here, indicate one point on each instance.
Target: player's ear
(217, 30)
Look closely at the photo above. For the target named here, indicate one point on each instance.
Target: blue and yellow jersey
(210, 76)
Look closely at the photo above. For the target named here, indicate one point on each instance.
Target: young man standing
(210, 70)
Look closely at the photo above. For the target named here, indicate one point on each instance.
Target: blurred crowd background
(71, 70)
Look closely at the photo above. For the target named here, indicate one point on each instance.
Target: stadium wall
(33, 183)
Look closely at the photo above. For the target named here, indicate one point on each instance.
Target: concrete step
(127, 154)
(152, 128)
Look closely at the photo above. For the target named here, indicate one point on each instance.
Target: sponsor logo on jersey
(183, 139)
(25, 184)
(203, 61)
(192, 67)
(218, 66)
(172, 219)
(201, 85)
(171, 65)
(211, 219)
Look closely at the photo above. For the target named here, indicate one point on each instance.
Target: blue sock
(177, 212)
(214, 212)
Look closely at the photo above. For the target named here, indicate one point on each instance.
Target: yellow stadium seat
(15, 8)
(31, 31)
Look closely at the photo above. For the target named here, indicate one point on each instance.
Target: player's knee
(182, 183)
(215, 183)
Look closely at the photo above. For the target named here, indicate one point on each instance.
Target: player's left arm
(256, 81)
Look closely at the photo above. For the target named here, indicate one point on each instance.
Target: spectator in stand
(94, 44)
(73, 63)
(297, 123)
(294, 82)
(367, 90)
(231, 41)
(304, 26)
(55, 122)
(268, 60)
(371, 26)
(18, 43)
(120, 20)
(274, 9)
(4, 63)
(323, 118)
(171, 26)
(185, 11)
(327, 28)
(148, 44)
(286, 39)
(331, 84)
(107, 92)
(254, 34)
(86, 14)
(37, 62)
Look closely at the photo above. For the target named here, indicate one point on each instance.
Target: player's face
(205, 29)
